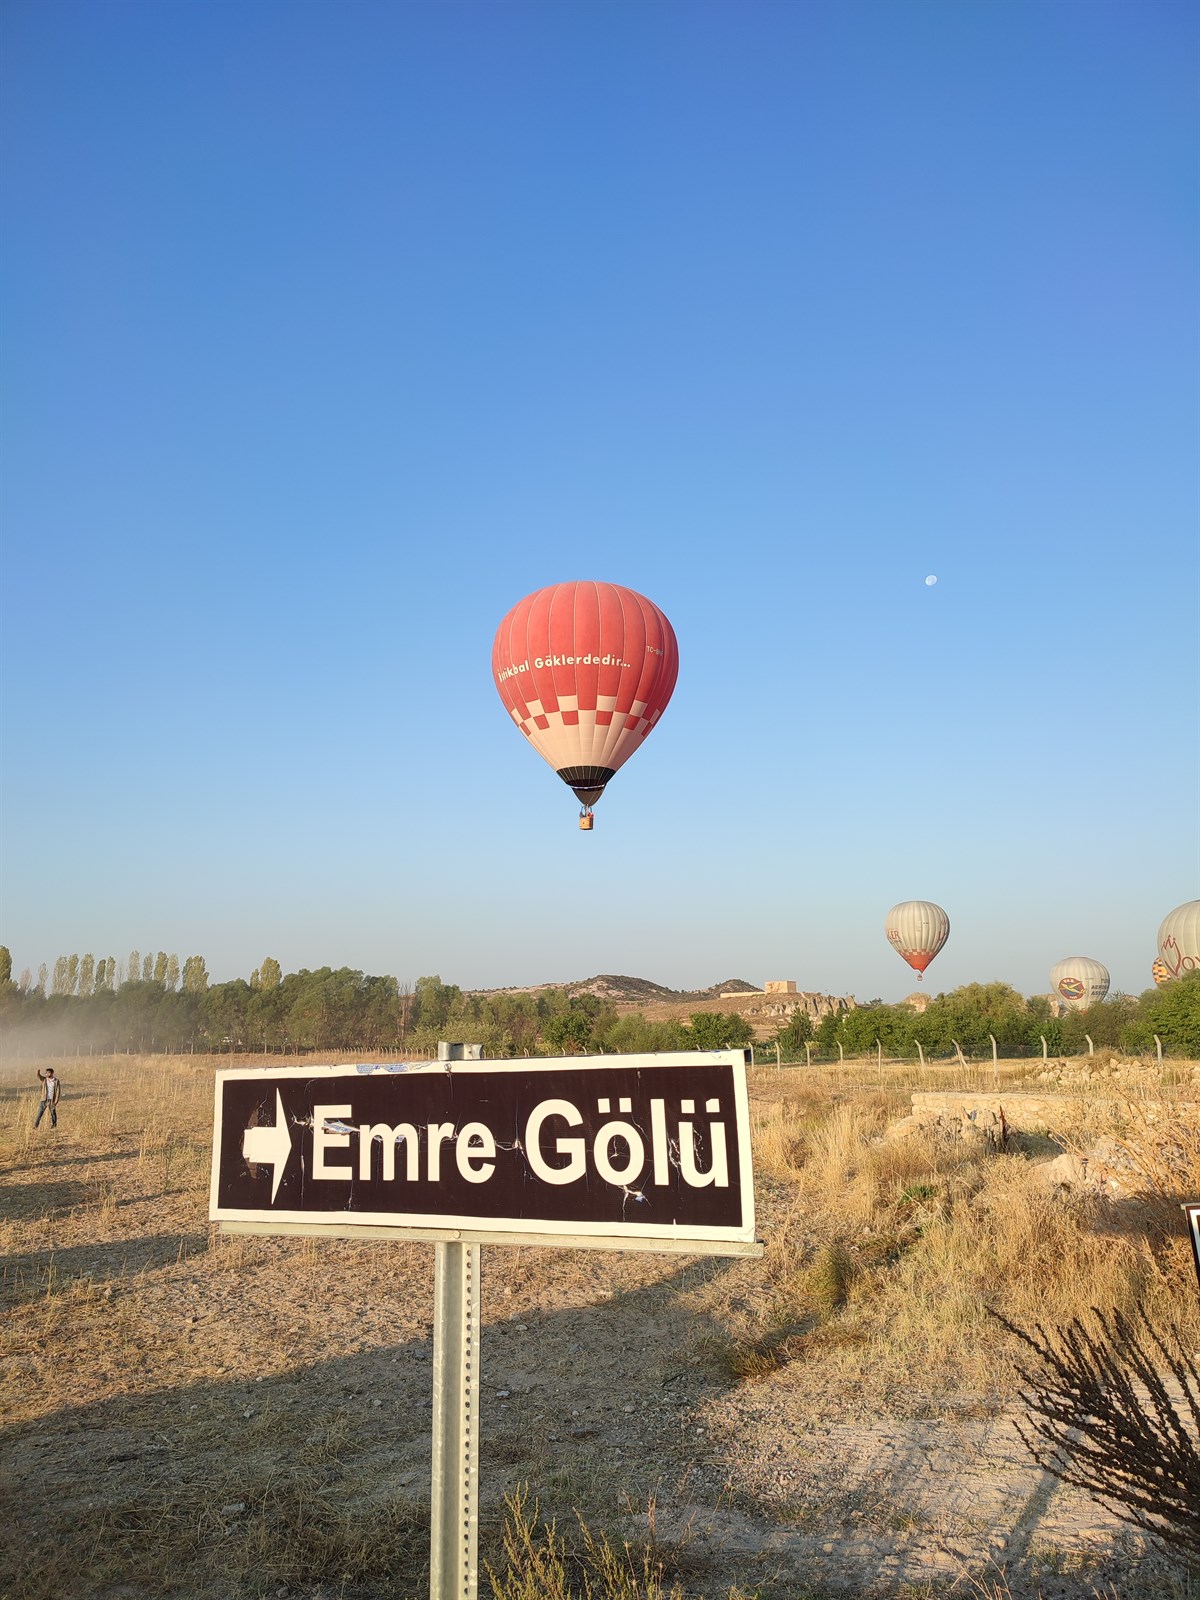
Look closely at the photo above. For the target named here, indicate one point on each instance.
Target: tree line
(155, 1003)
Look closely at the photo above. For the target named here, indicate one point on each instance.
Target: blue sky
(330, 331)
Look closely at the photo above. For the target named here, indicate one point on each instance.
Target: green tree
(431, 1004)
(72, 975)
(568, 1033)
(714, 1030)
(43, 976)
(825, 1037)
(270, 973)
(794, 1035)
(1173, 1013)
(195, 975)
(160, 969)
(87, 976)
(133, 971)
(148, 968)
(172, 980)
(5, 964)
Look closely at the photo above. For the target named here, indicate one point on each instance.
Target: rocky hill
(766, 1013)
(622, 990)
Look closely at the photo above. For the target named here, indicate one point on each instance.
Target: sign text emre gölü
(649, 1148)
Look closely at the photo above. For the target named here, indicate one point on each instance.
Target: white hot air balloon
(1079, 981)
(917, 930)
(1179, 939)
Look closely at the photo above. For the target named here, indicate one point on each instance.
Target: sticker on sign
(623, 1152)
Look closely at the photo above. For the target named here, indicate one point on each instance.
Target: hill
(623, 990)
(765, 1013)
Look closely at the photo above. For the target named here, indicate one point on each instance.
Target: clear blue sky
(331, 330)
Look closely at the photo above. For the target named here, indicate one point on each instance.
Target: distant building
(779, 986)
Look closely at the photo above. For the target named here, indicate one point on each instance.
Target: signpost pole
(454, 1520)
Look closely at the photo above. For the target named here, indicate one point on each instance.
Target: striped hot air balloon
(1179, 939)
(586, 671)
(917, 930)
(1079, 981)
(1161, 972)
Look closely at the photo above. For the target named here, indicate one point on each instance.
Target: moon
(930, 580)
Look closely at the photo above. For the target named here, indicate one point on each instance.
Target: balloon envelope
(917, 930)
(585, 670)
(1179, 939)
(1079, 981)
(1161, 972)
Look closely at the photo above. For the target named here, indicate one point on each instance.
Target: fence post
(1045, 1052)
(777, 1060)
(841, 1053)
(1158, 1048)
(920, 1052)
(1091, 1046)
(958, 1052)
(807, 1053)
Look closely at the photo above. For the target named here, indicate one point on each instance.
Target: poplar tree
(195, 975)
(172, 973)
(160, 969)
(87, 976)
(270, 974)
(5, 963)
(43, 974)
(148, 968)
(60, 976)
(134, 970)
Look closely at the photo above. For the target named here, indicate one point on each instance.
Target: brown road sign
(626, 1152)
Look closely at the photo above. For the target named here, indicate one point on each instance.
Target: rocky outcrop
(783, 1007)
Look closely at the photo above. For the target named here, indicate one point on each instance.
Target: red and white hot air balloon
(585, 670)
(917, 930)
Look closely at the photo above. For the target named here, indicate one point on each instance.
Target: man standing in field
(51, 1089)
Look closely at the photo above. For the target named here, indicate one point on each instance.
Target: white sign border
(684, 1238)
(1191, 1210)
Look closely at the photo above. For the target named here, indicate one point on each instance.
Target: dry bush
(1161, 1146)
(1101, 1417)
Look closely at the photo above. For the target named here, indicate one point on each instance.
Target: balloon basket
(585, 821)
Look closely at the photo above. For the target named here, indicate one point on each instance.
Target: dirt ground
(170, 1391)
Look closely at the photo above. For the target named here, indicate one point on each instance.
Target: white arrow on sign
(267, 1146)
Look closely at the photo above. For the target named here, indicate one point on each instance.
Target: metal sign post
(454, 1510)
(624, 1153)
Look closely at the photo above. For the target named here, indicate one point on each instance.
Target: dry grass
(883, 1254)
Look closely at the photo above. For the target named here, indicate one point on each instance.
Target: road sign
(627, 1152)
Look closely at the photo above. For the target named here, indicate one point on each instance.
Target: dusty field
(218, 1416)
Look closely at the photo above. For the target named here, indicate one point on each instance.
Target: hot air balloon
(1179, 939)
(1161, 972)
(917, 930)
(1079, 981)
(586, 670)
